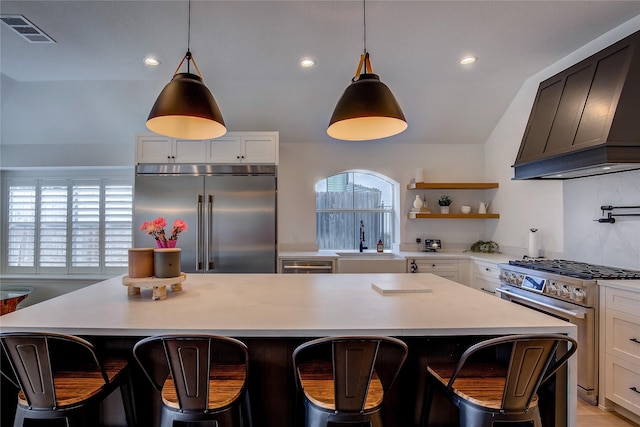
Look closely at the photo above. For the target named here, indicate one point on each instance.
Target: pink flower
(155, 228)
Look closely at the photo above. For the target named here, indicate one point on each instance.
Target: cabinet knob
(237, 157)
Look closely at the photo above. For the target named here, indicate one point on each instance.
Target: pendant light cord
(188, 57)
(364, 25)
(364, 58)
(189, 38)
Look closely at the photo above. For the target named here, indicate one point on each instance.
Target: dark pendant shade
(366, 110)
(186, 109)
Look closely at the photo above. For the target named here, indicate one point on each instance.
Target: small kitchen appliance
(567, 290)
(432, 245)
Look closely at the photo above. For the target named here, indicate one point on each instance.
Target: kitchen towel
(534, 249)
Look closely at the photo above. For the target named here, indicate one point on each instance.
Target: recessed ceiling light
(468, 60)
(151, 61)
(307, 62)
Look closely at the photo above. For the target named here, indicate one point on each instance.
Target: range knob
(578, 295)
(565, 292)
(552, 289)
(519, 279)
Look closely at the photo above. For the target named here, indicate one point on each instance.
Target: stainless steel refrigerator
(230, 211)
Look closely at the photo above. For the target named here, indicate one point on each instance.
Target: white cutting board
(392, 287)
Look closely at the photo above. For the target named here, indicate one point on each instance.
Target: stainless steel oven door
(585, 320)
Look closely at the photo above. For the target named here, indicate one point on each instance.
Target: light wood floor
(592, 416)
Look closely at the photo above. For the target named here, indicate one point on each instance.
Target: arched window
(356, 204)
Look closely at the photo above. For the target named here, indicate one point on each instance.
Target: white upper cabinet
(234, 147)
(244, 147)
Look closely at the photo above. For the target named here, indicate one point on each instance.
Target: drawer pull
(634, 389)
(488, 291)
(635, 340)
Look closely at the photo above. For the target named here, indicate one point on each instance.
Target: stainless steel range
(567, 290)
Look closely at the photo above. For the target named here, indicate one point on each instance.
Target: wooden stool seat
(225, 386)
(317, 383)
(73, 387)
(479, 383)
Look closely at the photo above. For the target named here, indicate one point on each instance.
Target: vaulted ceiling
(249, 54)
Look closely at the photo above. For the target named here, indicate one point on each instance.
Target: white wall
(563, 211)
(304, 164)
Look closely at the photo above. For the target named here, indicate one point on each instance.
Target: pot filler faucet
(362, 247)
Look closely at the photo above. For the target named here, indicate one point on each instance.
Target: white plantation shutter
(68, 225)
(53, 224)
(21, 226)
(85, 225)
(118, 223)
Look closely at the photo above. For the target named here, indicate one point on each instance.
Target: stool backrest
(188, 359)
(354, 360)
(34, 358)
(532, 361)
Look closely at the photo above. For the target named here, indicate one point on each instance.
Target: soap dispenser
(380, 245)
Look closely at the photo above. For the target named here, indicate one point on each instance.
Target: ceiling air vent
(26, 29)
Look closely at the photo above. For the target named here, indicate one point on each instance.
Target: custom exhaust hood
(586, 120)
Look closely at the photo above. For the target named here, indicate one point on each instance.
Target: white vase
(417, 203)
(444, 209)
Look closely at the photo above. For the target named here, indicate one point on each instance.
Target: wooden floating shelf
(452, 186)
(455, 216)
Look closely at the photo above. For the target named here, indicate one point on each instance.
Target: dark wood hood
(586, 119)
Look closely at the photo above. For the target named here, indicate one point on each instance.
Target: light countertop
(276, 305)
(324, 254)
(627, 285)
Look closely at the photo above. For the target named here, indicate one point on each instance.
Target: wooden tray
(159, 285)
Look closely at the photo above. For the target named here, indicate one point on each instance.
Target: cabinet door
(486, 276)
(190, 151)
(153, 149)
(259, 149)
(226, 149)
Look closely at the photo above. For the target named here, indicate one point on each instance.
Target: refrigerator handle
(199, 224)
(210, 265)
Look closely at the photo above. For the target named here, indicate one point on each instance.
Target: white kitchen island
(273, 313)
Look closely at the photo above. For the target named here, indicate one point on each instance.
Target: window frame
(392, 211)
(41, 178)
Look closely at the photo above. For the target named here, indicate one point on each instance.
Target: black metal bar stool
(344, 379)
(201, 378)
(496, 381)
(62, 377)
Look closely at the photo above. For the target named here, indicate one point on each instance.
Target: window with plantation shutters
(63, 226)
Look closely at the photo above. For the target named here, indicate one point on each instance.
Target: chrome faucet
(362, 247)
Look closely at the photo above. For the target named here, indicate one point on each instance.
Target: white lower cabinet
(485, 276)
(620, 350)
(447, 268)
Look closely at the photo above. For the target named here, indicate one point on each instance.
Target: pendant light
(367, 109)
(185, 108)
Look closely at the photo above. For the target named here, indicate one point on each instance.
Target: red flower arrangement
(156, 227)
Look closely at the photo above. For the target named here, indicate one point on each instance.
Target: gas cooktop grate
(579, 270)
